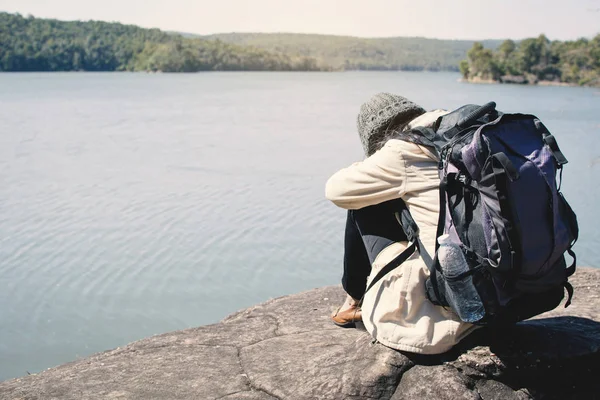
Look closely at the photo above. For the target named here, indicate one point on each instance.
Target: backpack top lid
(449, 125)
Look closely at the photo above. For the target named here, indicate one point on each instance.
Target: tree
(464, 69)
(481, 63)
(506, 49)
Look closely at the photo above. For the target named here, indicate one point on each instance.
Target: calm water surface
(134, 204)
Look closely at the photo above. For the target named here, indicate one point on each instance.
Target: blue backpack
(501, 205)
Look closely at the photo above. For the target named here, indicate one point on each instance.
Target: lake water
(136, 204)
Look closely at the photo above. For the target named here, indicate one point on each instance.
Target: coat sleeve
(380, 177)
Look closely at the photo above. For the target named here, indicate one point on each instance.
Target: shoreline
(538, 83)
(461, 80)
(231, 71)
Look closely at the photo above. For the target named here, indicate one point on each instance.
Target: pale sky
(444, 19)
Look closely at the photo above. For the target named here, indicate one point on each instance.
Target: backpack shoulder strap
(449, 125)
(419, 135)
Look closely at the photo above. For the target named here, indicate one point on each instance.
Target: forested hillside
(33, 44)
(536, 60)
(353, 53)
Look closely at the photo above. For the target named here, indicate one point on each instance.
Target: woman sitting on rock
(396, 310)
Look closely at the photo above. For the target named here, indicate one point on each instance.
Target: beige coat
(396, 311)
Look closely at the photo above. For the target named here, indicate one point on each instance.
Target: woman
(396, 310)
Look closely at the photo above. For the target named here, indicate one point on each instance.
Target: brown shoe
(347, 318)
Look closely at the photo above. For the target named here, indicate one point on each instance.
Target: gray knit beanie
(382, 112)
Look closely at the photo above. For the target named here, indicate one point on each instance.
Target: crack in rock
(284, 335)
(230, 394)
(250, 384)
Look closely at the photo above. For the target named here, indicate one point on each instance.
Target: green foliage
(31, 44)
(482, 63)
(537, 59)
(464, 68)
(506, 49)
(352, 53)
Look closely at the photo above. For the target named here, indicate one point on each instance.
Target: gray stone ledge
(287, 348)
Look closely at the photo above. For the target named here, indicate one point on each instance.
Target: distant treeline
(353, 53)
(33, 44)
(534, 60)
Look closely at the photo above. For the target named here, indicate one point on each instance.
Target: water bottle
(460, 291)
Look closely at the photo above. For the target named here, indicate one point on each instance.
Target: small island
(535, 61)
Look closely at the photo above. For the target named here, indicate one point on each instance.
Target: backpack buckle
(408, 224)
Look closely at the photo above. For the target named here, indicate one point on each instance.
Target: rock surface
(518, 79)
(286, 348)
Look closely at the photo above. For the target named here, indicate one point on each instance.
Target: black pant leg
(357, 266)
(368, 231)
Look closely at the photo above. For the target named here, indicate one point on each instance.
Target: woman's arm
(379, 178)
